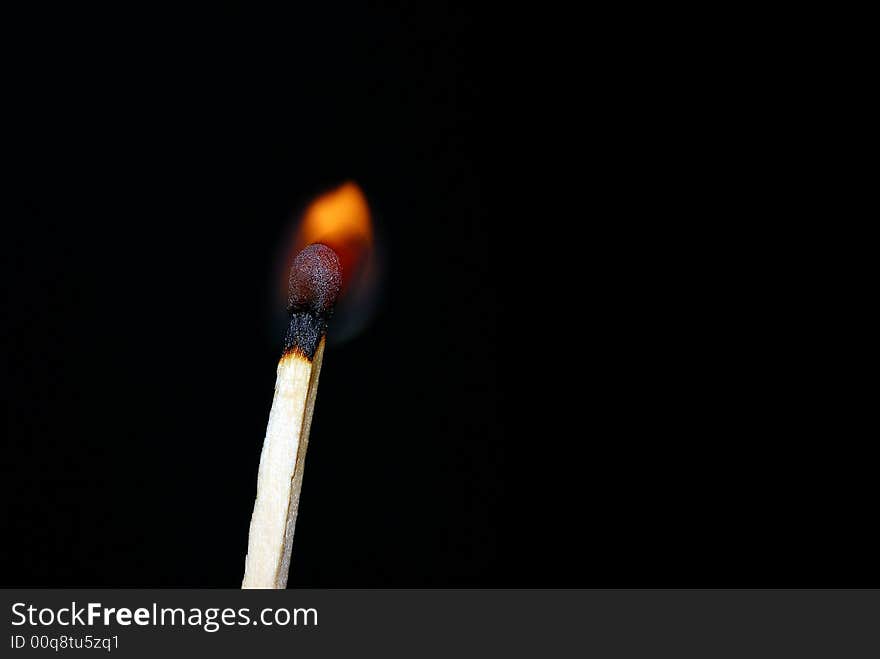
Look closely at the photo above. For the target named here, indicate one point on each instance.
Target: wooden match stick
(315, 280)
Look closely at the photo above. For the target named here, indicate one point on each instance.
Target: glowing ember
(339, 219)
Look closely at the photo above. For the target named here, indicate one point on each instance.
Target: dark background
(557, 389)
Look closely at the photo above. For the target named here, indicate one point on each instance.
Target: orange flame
(341, 220)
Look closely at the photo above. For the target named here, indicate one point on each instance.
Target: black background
(554, 390)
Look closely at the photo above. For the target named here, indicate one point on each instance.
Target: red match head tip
(315, 279)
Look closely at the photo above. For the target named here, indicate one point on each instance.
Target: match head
(315, 280)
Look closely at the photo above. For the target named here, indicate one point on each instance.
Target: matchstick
(315, 280)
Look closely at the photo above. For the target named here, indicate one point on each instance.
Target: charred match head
(315, 280)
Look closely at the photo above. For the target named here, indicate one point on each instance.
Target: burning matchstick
(315, 280)
(332, 252)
